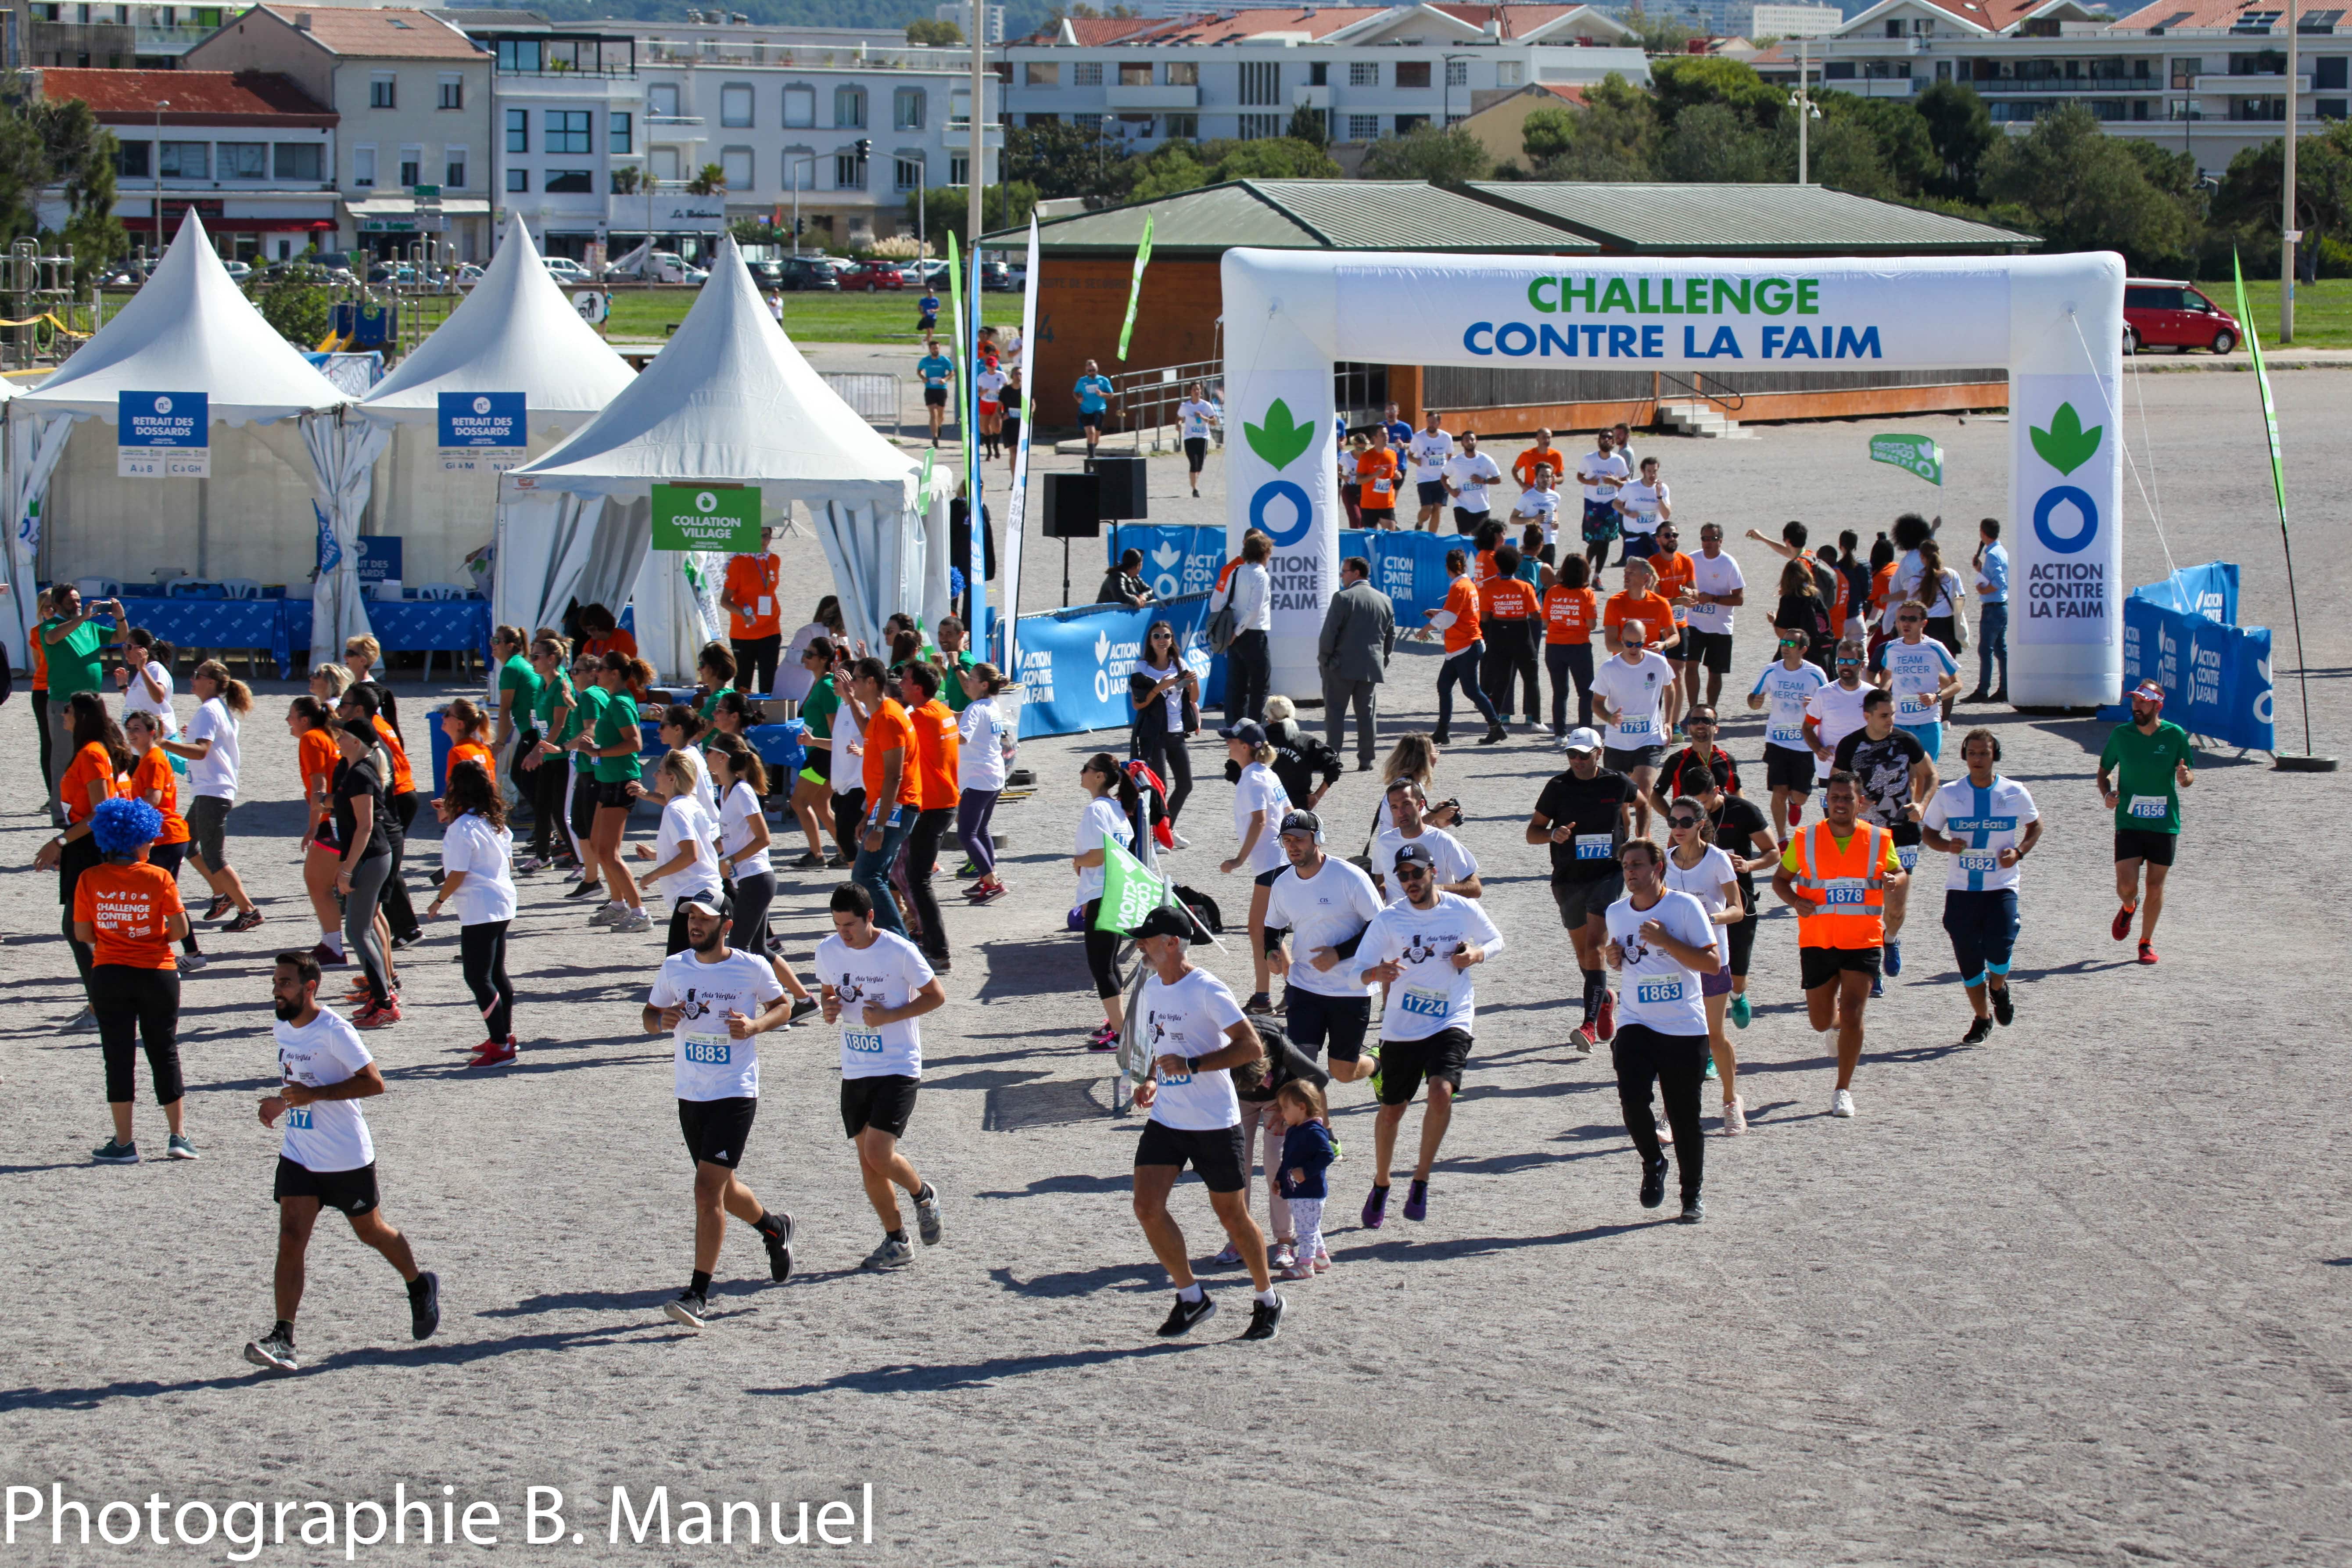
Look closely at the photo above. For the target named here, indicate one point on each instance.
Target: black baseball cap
(1415, 855)
(1163, 921)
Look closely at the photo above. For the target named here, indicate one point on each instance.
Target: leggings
(74, 859)
(973, 810)
(41, 724)
(922, 858)
(168, 858)
(1306, 1219)
(582, 811)
(368, 880)
(483, 950)
(1163, 752)
(1677, 1063)
(547, 779)
(1566, 661)
(1462, 668)
(1511, 650)
(1102, 954)
(753, 894)
(398, 913)
(136, 1006)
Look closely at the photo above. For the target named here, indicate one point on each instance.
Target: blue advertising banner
(1177, 559)
(2216, 676)
(2211, 590)
(475, 420)
(162, 434)
(379, 557)
(1407, 566)
(1075, 662)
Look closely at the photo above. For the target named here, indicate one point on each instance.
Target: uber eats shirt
(2149, 795)
(1431, 995)
(325, 1135)
(1189, 1019)
(888, 971)
(1658, 991)
(708, 1063)
(1986, 821)
(1325, 911)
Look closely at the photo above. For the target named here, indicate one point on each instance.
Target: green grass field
(2323, 310)
(648, 314)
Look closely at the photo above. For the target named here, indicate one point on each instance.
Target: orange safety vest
(1849, 886)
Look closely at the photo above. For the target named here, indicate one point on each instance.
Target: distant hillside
(1020, 19)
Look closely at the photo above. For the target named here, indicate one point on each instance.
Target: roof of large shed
(1307, 214)
(1746, 220)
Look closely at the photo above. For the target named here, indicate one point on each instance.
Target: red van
(2161, 314)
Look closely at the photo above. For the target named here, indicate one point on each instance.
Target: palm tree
(710, 179)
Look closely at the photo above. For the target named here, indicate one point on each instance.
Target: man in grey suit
(1359, 635)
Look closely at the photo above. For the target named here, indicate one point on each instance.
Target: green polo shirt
(73, 659)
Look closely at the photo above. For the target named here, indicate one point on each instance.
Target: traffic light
(865, 146)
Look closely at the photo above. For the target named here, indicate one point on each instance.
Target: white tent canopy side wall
(2056, 320)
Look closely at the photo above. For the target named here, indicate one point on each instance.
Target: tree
(627, 180)
(1657, 34)
(2081, 190)
(943, 34)
(1061, 161)
(1309, 125)
(944, 210)
(298, 305)
(1449, 157)
(1268, 158)
(1960, 131)
(2247, 204)
(1546, 133)
(1614, 137)
(1693, 79)
(1713, 142)
(1166, 171)
(710, 179)
(57, 145)
(1845, 156)
(1905, 153)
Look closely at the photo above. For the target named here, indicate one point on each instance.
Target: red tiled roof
(1230, 26)
(1574, 95)
(369, 33)
(119, 96)
(2169, 14)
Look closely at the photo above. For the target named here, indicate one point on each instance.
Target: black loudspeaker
(1123, 498)
(1073, 506)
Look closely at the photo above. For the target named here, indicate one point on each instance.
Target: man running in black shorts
(1323, 907)
(1584, 815)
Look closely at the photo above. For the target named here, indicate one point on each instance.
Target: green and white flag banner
(1920, 453)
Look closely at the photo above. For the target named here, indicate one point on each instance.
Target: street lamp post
(160, 105)
(1804, 111)
(2287, 234)
(790, 165)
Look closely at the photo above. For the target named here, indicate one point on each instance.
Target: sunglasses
(1910, 620)
(1411, 873)
(1682, 821)
(1845, 660)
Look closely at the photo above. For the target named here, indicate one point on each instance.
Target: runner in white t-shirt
(714, 1002)
(1458, 868)
(328, 1158)
(1717, 590)
(1197, 417)
(1783, 694)
(1422, 949)
(209, 746)
(1644, 502)
(1196, 1036)
(1629, 693)
(1431, 448)
(1663, 943)
(1835, 711)
(875, 983)
(1260, 803)
(1323, 906)
(1467, 474)
(1988, 824)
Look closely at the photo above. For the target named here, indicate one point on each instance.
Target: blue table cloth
(194, 623)
(422, 626)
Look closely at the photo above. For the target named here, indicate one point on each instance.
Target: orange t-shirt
(90, 765)
(1462, 598)
(623, 640)
(1656, 616)
(891, 730)
(1882, 586)
(1376, 470)
(404, 781)
(1569, 614)
(316, 754)
(1523, 467)
(1481, 567)
(1676, 573)
(127, 907)
(752, 582)
(937, 741)
(1508, 599)
(154, 772)
(471, 752)
(40, 657)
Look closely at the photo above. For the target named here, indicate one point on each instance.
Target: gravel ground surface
(2075, 1296)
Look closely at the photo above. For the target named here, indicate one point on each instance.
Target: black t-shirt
(354, 782)
(1811, 615)
(1120, 588)
(1737, 820)
(1824, 582)
(1588, 806)
(1884, 767)
(1682, 772)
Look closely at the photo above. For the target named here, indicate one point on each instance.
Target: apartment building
(413, 98)
(249, 151)
(110, 38)
(2203, 77)
(1368, 71)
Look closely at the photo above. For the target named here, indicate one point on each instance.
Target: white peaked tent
(191, 329)
(729, 400)
(515, 332)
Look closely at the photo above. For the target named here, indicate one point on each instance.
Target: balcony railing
(2044, 84)
(802, 57)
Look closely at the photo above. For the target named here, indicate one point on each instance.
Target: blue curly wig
(120, 827)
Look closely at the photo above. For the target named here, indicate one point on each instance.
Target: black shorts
(886, 1103)
(1221, 1154)
(1625, 758)
(1091, 422)
(2141, 844)
(614, 792)
(716, 1129)
(1433, 491)
(1582, 902)
(1268, 879)
(1312, 1018)
(1376, 515)
(1404, 1063)
(354, 1191)
(1788, 767)
(1196, 451)
(935, 397)
(848, 806)
(1710, 650)
(1817, 966)
(1468, 522)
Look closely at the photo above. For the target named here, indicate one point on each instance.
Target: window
(517, 179)
(569, 182)
(959, 168)
(1087, 73)
(1894, 28)
(1087, 121)
(1138, 127)
(2185, 72)
(2332, 108)
(452, 92)
(2327, 73)
(382, 93)
(1044, 73)
(800, 168)
(1412, 73)
(906, 108)
(566, 129)
(453, 168)
(800, 106)
(1035, 121)
(295, 160)
(1318, 73)
(1363, 73)
(412, 165)
(620, 129)
(362, 166)
(735, 164)
(1261, 82)
(1409, 123)
(244, 160)
(518, 129)
(735, 106)
(518, 56)
(1457, 73)
(1183, 73)
(848, 172)
(1133, 73)
(1509, 73)
(960, 109)
(1184, 126)
(188, 160)
(130, 160)
(1259, 127)
(1363, 128)
(664, 163)
(849, 108)
(906, 174)
(661, 100)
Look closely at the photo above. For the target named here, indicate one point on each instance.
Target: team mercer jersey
(1986, 821)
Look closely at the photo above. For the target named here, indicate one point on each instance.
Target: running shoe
(2004, 1006)
(493, 1053)
(801, 1007)
(691, 1310)
(1980, 1031)
(1891, 955)
(529, 866)
(889, 1255)
(1842, 1102)
(245, 922)
(1376, 1208)
(425, 1306)
(1281, 1255)
(1653, 1183)
(2122, 926)
(612, 912)
(2147, 952)
(1104, 1037)
(80, 1023)
(968, 869)
(926, 1214)
(1296, 1272)
(408, 939)
(1228, 1258)
(1734, 1117)
(1711, 1075)
(1375, 1080)
(1693, 1210)
(810, 861)
(1177, 840)
(1584, 1036)
(189, 963)
(1265, 1323)
(631, 923)
(1186, 1316)
(1416, 1201)
(779, 1240)
(115, 1152)
(1740, 1010)
(274, 1350)
(1322, 1261)
(377, 1016)
(582, 890)
(989, 895)
(1259, 1003)
(328, 957)
(219, 908)
(179, 1148)
(1877, 986)
(1605, 1026)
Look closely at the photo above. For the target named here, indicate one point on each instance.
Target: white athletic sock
(334, 940)
(1191, 1292)
(1267, 1298)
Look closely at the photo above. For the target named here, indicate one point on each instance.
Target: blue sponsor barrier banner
(1178, 559)
(1407, 566)
(1074, 663)
(2216, 676)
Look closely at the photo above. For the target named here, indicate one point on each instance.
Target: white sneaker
(632, 921)
(612, 912)
(1178, 841)
(189, 963)
(1842, 1103)
(1735, 1118)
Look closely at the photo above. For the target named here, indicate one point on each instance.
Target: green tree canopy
(58, 144)
(935, 33)
(1449, 157)
(1714, 144)
(1614, 137)
(1960, 132)
(2080, 190)
(1692, 79)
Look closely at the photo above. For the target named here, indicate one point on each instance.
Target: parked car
(565, 270)
(238, 270)
(805, 272)
(469, 275)
(996, 278)
(873, 275)
(935, 274)
(2159, 312)
(670, 266)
